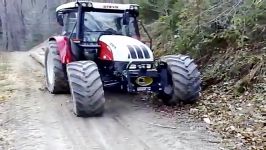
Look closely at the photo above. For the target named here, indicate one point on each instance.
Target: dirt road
(33, 119)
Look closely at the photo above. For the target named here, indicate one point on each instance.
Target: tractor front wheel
(86, 88)
(56, 80)
(184, 82)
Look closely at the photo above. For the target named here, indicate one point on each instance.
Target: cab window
(70, 20)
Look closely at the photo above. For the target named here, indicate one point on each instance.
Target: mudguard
(63, 47)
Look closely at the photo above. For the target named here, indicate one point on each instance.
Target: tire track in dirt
(40, 120)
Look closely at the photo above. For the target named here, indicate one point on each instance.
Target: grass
(3, 70)
(4, 83)
(3, 66)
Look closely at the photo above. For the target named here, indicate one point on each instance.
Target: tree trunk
(25, 23)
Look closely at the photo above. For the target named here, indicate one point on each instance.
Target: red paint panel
(105, 52)
(63, 48)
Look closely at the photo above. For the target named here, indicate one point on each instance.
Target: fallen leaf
(207, 120)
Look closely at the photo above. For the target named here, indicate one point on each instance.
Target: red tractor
(100, 48)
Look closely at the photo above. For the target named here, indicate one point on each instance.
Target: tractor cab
(85, 21)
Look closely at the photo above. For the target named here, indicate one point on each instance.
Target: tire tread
(60, 79)
(87, 88)
(185, 77)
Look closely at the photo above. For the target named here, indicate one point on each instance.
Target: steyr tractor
(100, 48)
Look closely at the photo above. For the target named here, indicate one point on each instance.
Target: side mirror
(60, 19)
(126, 18)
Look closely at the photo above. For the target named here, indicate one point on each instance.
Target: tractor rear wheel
(86, 88)
(56, 80)
(184, 80)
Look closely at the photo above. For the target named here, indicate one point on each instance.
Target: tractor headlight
(140, 66)
(84, 4)
(145, 66)
(148, 66)
(133, 66)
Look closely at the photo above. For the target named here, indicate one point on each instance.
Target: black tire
(56, 79)
(184, 80)
(86, 88)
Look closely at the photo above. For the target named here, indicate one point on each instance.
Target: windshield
(98, 23)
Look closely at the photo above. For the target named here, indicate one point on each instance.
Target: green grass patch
(5, 89)
(4, 68)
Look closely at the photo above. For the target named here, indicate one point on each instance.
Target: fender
(63, 47)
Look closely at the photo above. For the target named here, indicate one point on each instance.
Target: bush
(202, 26)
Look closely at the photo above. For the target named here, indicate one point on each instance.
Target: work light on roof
(83, 0)
(133, 7)
(84, 4)
(89, 4)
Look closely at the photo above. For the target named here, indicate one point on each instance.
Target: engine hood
(127, 49)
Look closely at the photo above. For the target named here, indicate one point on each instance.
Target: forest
(228, 40)
(25, 23)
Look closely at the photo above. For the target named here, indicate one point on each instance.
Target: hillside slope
(234, 96)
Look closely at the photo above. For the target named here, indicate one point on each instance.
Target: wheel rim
(50, 69)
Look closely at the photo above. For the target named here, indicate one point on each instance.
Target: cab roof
(97, 5)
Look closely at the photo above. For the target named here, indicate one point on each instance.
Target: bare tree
(25, 23)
